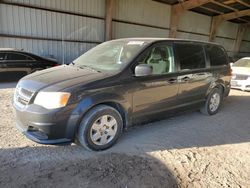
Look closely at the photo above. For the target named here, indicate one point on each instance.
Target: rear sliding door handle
(185, 79)
(172, 80)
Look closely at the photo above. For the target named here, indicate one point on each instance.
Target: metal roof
(218, 7)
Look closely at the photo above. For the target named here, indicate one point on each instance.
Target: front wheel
(100, 128)
(213, 102)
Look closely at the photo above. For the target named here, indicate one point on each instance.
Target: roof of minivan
(166, 39)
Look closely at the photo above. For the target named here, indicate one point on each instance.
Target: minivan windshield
(242, 63)
(110, 56)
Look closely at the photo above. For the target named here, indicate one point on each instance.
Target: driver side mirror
(143, 70)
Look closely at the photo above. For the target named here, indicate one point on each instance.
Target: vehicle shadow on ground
(102, 170)
(193, 129)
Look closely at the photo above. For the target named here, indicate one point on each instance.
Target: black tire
(206, 108)
(227, 92)
(84, 131)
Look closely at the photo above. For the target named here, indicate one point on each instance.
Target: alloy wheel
(103, 130)
(214, 102)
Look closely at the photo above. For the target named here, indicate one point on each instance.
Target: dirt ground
(188, 150)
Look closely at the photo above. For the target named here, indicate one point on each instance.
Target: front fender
(88, 102)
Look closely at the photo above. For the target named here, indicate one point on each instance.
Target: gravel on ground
(188, 150)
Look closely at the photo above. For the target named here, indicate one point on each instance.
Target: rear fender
(218, 83)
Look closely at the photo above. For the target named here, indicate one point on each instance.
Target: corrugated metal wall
(38, 26)
(137, 18)
(152, 19)
(41, 30)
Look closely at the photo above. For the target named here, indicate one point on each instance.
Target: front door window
(160, 58)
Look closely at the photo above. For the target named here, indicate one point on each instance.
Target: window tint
(191, 56)
(16, 56)
(217, 55)
(2, 56)
(160, 58)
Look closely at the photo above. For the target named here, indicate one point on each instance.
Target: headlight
(52, 100)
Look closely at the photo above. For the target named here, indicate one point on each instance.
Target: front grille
(22, 96)
(241, 77)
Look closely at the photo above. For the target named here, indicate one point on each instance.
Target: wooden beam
(240, 33)
(244, 20)
(211, 10)
(176, 13)
(190, 4)
(178, 10)
(216, 21)
(237, 14)
(108, 19)
(243, 3)
(225, 6)
(228, 2)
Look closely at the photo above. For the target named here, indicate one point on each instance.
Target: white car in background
(241, 74)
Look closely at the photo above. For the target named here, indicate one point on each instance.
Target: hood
(59, 78)
(241, 70)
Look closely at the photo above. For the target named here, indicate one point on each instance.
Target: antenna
(63, 49)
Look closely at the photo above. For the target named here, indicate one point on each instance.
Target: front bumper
(241, 84)
(46, 126)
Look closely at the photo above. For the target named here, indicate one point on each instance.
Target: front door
(157, 92)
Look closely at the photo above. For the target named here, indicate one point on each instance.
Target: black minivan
(117, 84)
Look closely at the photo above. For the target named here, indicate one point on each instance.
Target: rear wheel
(213, 102)
(100, 128)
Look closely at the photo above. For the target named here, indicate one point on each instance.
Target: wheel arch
(217, 84)
(121, 104)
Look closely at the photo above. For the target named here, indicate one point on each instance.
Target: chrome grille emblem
(22, 96)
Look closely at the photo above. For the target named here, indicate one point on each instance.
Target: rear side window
(2, 56)
(191, 56)
(217, 55)
(16, 56)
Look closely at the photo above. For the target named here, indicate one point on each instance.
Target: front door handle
(201, 74)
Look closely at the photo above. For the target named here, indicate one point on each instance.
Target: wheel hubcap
(103, 130)
(214, 102)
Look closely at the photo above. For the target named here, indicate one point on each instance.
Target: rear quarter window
(191, 56)
(217, 55)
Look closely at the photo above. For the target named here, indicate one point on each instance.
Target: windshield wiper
(91, 68)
